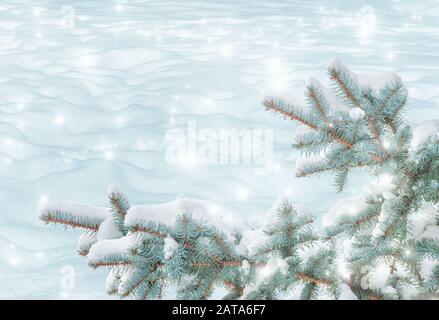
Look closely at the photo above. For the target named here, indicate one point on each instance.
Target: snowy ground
(89, 91)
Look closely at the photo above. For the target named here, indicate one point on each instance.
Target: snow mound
(49, 206)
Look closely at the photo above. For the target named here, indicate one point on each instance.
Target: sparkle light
(119, 8)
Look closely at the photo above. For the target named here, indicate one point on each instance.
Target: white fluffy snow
(355, 204)
(48, 206)
(166, 213)
(88, 106)
(425, 223)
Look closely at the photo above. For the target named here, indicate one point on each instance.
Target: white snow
(75, 208)
(108, 229)
(424, 130)
(200, 210)
(251, 241)
(108, 247)
(273, 265)
(336, 64)
(113, 189)
(48, 71)
(85, 241)
(254, 239)
(352, 206)
(424, 223)
(375, 82)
